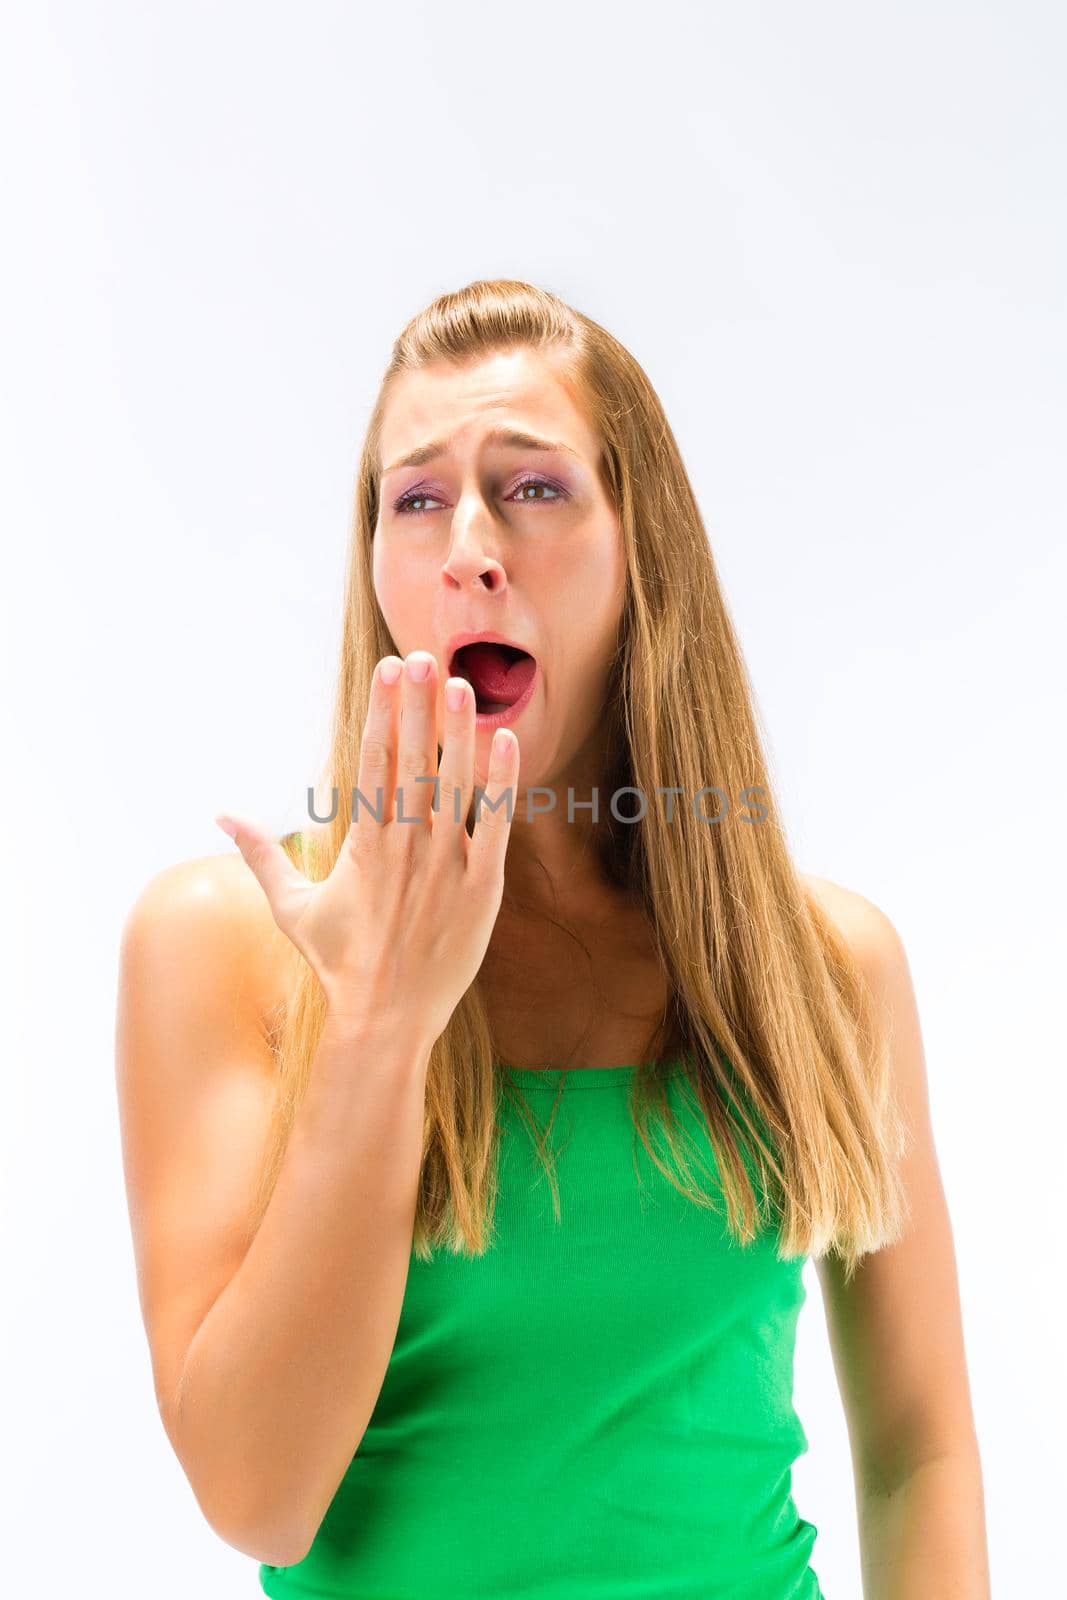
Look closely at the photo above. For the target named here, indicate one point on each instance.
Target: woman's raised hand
(399, 928)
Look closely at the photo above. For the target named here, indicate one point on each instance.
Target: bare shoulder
(205, 887)
(196, 1076)
(870, 934)
(203, 926)
(879, 953)
(906, 1393)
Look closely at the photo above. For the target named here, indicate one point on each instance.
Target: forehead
(519, 388)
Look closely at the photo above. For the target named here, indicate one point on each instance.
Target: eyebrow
(504, 436)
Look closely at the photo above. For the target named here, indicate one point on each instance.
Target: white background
(834, 237)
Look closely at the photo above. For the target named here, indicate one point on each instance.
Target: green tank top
(600, 1407)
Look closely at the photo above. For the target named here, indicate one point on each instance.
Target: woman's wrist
(390, 1030)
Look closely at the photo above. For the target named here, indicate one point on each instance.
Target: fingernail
(227, 825)
(389, 671)
(419, 669)
(455, 694)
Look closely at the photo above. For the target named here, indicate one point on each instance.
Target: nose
(469, 563)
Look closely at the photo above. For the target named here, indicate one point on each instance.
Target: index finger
(376, 779)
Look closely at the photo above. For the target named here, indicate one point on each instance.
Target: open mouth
(499, 674)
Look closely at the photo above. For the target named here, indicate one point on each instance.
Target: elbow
(268, 1546)
(239, 1515)
(250, 1518)
(270, 1539)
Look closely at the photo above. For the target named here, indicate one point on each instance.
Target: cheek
(586, 611)
(399, 591)
(596, 587)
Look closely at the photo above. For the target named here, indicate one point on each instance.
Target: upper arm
(194, 1073)
(896, 1329)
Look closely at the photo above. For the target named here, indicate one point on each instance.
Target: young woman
(476, 1140)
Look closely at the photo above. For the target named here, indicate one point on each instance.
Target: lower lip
(500, 719)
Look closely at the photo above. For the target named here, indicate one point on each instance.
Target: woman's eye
(535, 483)
(407, 504)
(413, 504)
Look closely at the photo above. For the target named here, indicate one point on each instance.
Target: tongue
(495, 676)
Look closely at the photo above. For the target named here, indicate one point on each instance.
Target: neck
(551, 862)
(555, 855)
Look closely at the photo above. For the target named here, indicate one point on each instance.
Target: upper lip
(487, 636)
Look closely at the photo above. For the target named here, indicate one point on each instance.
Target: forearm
(926, 1537)
(283, 1373)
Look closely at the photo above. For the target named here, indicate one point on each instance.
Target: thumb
(276, 875)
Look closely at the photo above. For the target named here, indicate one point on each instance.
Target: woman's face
(488, 534)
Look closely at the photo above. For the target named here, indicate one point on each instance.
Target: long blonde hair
(769, 1012)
